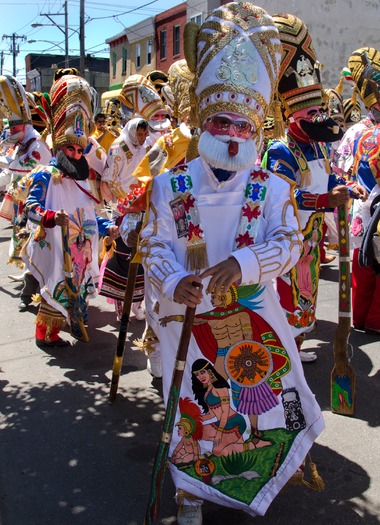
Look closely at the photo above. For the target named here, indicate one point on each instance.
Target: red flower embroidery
(194, 231)
(36, 155)
(244, 240)
(251, 212)
(189, 202)
(261, 175)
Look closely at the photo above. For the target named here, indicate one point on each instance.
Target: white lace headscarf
(129, 134)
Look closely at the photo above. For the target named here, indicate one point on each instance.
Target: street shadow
(93, 361)
(92, 462)
(329, 273)
(318, 373)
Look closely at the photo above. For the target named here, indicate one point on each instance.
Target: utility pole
(65, 31)
(81, 39)
(15, 48)
(1, 62)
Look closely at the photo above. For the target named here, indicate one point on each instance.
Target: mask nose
(232, 131)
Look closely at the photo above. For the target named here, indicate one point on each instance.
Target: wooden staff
(77, 308)
(162, 452)
(342, 375)
(128, 299)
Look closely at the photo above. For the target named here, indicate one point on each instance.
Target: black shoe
(22, 306)
(52, 344)
(372, 331)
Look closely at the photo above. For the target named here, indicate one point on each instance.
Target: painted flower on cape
(357, 227)
(292, 319)
(305, 319)
(36, 155)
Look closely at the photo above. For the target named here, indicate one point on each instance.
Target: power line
(14, 47)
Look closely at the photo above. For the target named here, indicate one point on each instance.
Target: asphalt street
(70, 457)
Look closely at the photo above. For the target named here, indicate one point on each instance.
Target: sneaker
(23, 305)
(154, 365)
(138, 311)
(189, 515)
(308, 357)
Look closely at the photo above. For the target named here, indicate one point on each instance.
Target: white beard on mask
(159, 125)
(215, 152)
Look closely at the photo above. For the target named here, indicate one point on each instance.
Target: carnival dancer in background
(302, 155)
(120, 187)
(59, 197)
(354, 74)
(22, 151)
(169, 151)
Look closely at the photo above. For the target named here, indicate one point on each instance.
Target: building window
(197, 19)
(149, 53)
(163, 45)
(124, 63)
(138, 56)
(176, 40)
(114, 60)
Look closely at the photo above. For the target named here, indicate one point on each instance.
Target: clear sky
(104, 19)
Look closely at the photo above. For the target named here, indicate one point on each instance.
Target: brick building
(169, 28)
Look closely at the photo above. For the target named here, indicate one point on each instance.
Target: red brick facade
(169, 27)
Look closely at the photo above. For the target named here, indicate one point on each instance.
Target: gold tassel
(182, 495)
(148, 341)
(36, 298)
(315, 483)
(190, 36)
(196, 256)
(40, 233)
(354, 97)
(279, 126)
(339, 87)
(192, 149)
(50, 322)
(108, 248)
(16, 262)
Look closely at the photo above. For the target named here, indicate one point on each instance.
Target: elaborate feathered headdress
(71, 111)
(13, 101)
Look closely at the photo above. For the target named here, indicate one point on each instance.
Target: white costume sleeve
(162, 268)
(281, 241)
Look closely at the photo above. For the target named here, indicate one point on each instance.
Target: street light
(47, 41)
(65, 31)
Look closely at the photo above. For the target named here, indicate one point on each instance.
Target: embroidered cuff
(322, 201)
(48, 219)
(306, 201)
